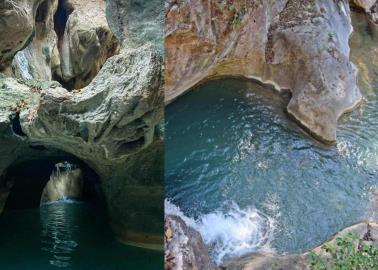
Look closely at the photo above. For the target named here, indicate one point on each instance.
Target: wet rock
(63, 184)
(296, 45)
(184, 247)
(258, 261)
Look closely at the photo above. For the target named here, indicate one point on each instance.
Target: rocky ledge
(365, 230)
(300, 46)
(185, 249)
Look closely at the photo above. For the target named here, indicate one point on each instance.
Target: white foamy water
(230, 233)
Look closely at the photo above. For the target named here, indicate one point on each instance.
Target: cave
(28, 179)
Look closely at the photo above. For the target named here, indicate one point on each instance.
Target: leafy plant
(348, 253)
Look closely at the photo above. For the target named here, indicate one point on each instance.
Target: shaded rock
(366, 5)
(296, 45)
(17, 27)
(290, 262)
(41, 56)
(370, 7)
(86, 43)
(64, 183)
(111, 125)
(184, 247)
(136, 22)
(112, 118)
(71, 42)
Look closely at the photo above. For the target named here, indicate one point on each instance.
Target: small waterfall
(22, 63)
(64, 167)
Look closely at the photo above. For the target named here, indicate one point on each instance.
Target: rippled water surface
(232, 154)
(67, 236)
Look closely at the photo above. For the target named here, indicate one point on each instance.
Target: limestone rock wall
(13, 15)
(301, 46)
(112, 124)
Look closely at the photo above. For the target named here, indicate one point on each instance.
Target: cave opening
(61, 17)
(29, 180)
(16, 125)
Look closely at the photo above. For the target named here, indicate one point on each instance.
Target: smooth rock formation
(184, 247)
(17, 28)
(86, 42)
(297, 262)
(64, 183)
(39, 58)
(301, 46)
(72, 41)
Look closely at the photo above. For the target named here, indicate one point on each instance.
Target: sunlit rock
(65, 182)
(297, 45)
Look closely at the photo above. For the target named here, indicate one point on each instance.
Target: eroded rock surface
(136, 22)
(298, 262)
(86, 42)
(71, 42)
(112, 124)
(37, 60)
(184, 247)
(297, 45)
(16, 27)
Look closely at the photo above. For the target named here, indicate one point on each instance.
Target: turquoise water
(66, 236)
(250, 179)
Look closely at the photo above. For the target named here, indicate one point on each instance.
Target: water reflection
(58, 227)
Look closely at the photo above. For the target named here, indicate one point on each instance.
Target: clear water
(68, 236)
(232, 153)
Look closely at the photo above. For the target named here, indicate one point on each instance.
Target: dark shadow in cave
(42, 11)
(16, 125)
(30, 177)
(61, 17)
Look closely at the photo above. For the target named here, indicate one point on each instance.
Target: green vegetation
(348, 253)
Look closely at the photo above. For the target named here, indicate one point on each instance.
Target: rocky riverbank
(185, 249)
(300, 46)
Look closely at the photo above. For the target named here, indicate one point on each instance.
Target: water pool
(68, 236)
(248, 178)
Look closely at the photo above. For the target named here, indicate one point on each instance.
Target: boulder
(85, 44)
(184, 247)
(17, 28)
(297, 45)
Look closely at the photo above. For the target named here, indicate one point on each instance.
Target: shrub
(346, 255)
